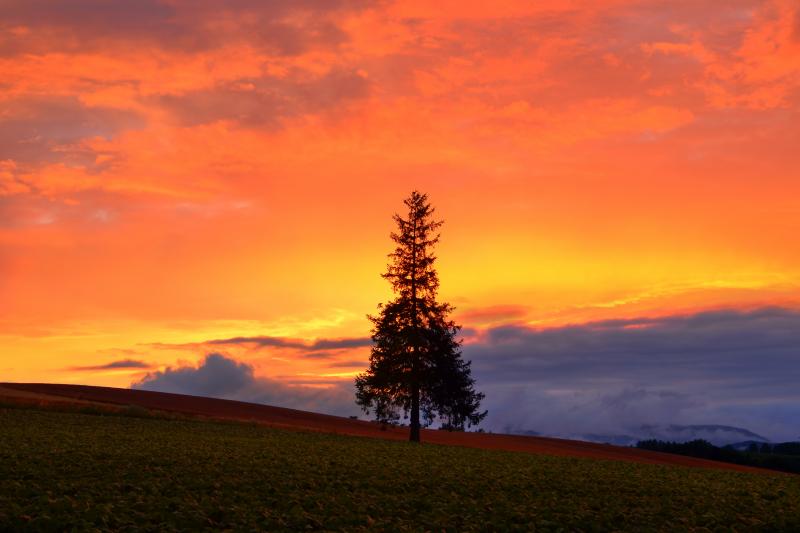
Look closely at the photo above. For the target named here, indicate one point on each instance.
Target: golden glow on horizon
(591, 160)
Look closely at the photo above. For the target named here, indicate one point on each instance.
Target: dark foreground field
(78, 471)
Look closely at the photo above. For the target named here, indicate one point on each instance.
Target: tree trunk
(414, 433)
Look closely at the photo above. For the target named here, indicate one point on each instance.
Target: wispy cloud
(318, 345)
(122, 364)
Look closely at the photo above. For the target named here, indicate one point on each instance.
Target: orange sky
(173, 173)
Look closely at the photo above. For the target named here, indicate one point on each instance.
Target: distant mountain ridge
(744, 445)
(716, 434)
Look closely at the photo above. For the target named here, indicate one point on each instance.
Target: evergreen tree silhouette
(415, 364)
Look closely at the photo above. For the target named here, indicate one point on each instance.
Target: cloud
(9, 182)
(265, 101)
(494, 314)
(114, 365)
(279, 26)
(283, 342)
(335, 344)
(738, 368)
(361, 364)
(49, 128)
(262, 341)
(219, 376)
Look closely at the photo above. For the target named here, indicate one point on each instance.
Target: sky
(198, 197)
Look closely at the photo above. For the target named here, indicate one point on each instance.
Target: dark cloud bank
(697, 376)
(638, 377)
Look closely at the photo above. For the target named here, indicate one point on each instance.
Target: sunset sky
(619, 180)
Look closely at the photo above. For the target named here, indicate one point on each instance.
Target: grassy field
(77, 471)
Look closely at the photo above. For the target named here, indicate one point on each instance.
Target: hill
(303, 420)
(62, 470)
(716, 434)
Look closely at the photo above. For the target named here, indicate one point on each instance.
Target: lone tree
(415, 364)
